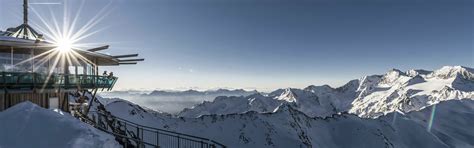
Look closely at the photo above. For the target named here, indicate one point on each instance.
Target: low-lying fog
(172, 101)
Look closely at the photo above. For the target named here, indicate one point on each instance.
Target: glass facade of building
(18, 70)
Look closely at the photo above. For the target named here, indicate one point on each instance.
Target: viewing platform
(47, 73)
(25, 80)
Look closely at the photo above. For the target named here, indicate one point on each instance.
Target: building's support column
(32, 55)
(66, 67)
(84, 68)
(96, 68)
(11, 58)
(48, 68)
(95, 71)
(4, 102)
(66, 73)
(93, 67)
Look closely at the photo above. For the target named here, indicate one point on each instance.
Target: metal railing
(130, 134)
(19, 80)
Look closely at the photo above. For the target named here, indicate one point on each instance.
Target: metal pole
(25, 19)
(25, 12)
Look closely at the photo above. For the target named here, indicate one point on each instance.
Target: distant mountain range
(190, 92)
(370, 96)
(173, 101)
(416, 108)
(221, 92)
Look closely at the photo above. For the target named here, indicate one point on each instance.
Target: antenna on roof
(25, 16)
(24, 31)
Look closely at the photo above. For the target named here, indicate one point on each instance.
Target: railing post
(93, 119)
(158, 138)
(125, 128)
(99, 122)
(125, 142)
(138, 134)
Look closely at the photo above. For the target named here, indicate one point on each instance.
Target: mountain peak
(415, 72)
(313, 88)
(453, 71)
(287, 95)
(395, 70)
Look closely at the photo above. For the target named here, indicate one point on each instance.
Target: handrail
(37, 80)
(117, 123)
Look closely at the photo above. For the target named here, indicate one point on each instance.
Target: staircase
(132, 135)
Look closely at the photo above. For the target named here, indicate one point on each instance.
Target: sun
(64, 45)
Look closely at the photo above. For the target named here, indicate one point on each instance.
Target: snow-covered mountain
(302, 100)
(452, 121)
(27, 125)
(412, 90)
(288, 127)
(370, 96)
(417, 108)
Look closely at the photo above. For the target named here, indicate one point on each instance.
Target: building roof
(26, 46)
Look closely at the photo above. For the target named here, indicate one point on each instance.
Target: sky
(268, 44)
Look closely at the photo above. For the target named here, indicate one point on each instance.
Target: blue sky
(269, 44)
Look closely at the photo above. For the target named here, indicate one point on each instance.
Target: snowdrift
(27, 125)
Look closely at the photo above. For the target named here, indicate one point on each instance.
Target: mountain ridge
(289, 127)
(370, 96)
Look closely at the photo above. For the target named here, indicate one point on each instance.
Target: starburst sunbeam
(66, 39)
(57, 34)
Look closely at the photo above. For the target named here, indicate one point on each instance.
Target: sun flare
(65, 36)
(64, 45)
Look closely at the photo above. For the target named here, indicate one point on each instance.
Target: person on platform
(111, 75)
